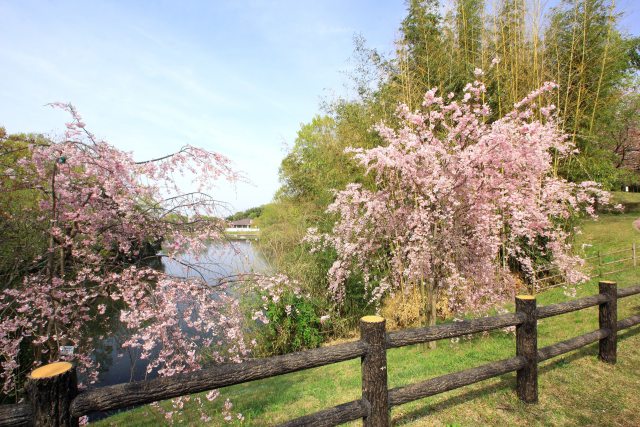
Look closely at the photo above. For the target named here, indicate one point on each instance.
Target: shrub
(292, 324)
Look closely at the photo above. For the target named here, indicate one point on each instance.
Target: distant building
(242, 228)
(241, 223)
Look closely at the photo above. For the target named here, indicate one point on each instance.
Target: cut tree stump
(51, 388)
(374, 371)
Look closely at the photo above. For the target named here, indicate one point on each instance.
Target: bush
(293, 325)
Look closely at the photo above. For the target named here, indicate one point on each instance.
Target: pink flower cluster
(456, 201)
(100, 209)
(271, 289)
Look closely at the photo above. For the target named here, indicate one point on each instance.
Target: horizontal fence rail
(140, 392)
(433, 386)
(49, 401)
(627, 292)
(628, 322)
(340, 414)
(16, 415)
(451, 330)
(563, 347)
(569, 306)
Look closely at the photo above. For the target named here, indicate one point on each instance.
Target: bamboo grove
(578, 44)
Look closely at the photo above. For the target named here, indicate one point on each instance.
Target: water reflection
(220, 260)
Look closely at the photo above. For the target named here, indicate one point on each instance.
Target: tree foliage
(251, 213)
(103, 217)
(578, 44)
(452, 192)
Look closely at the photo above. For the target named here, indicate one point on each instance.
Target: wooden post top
(527, 297)
(607, 282)
(372, 319)
(50, 370)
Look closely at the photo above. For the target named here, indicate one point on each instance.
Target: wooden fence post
(599, 264)
(534, 283)
(374, 371)
(527, 347)
(608, 318)
(50, 389)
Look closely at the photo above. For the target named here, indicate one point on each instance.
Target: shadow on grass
(252, 399)
(506, 381)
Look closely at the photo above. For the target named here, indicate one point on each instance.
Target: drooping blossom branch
(104, 214)
(459, 207)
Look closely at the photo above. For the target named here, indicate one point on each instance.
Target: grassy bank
(630, 201)
(575, 389)
(241, 234)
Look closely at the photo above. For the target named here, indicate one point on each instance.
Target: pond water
(220, 260)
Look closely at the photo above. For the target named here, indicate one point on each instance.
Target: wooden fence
(53, 399)
(602, 264)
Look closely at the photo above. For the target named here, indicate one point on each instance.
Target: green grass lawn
(574, 389)
(631, 201)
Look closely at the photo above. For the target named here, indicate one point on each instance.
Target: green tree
(578, 45)
(590, 59)
(252, 213)
(469, 30)
(22, 240)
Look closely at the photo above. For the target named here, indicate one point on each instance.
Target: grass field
(631, 201)
(575, 389)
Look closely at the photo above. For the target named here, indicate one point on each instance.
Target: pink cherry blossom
(458, 203)
(103, 212)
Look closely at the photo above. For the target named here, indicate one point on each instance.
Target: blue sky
(237, 77)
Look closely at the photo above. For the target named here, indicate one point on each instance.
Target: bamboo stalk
(602, 67)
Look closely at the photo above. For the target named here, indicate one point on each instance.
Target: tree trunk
(429, 308)
(431, 313)
(51, 260)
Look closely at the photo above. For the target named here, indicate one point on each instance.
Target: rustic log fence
(52, 388)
